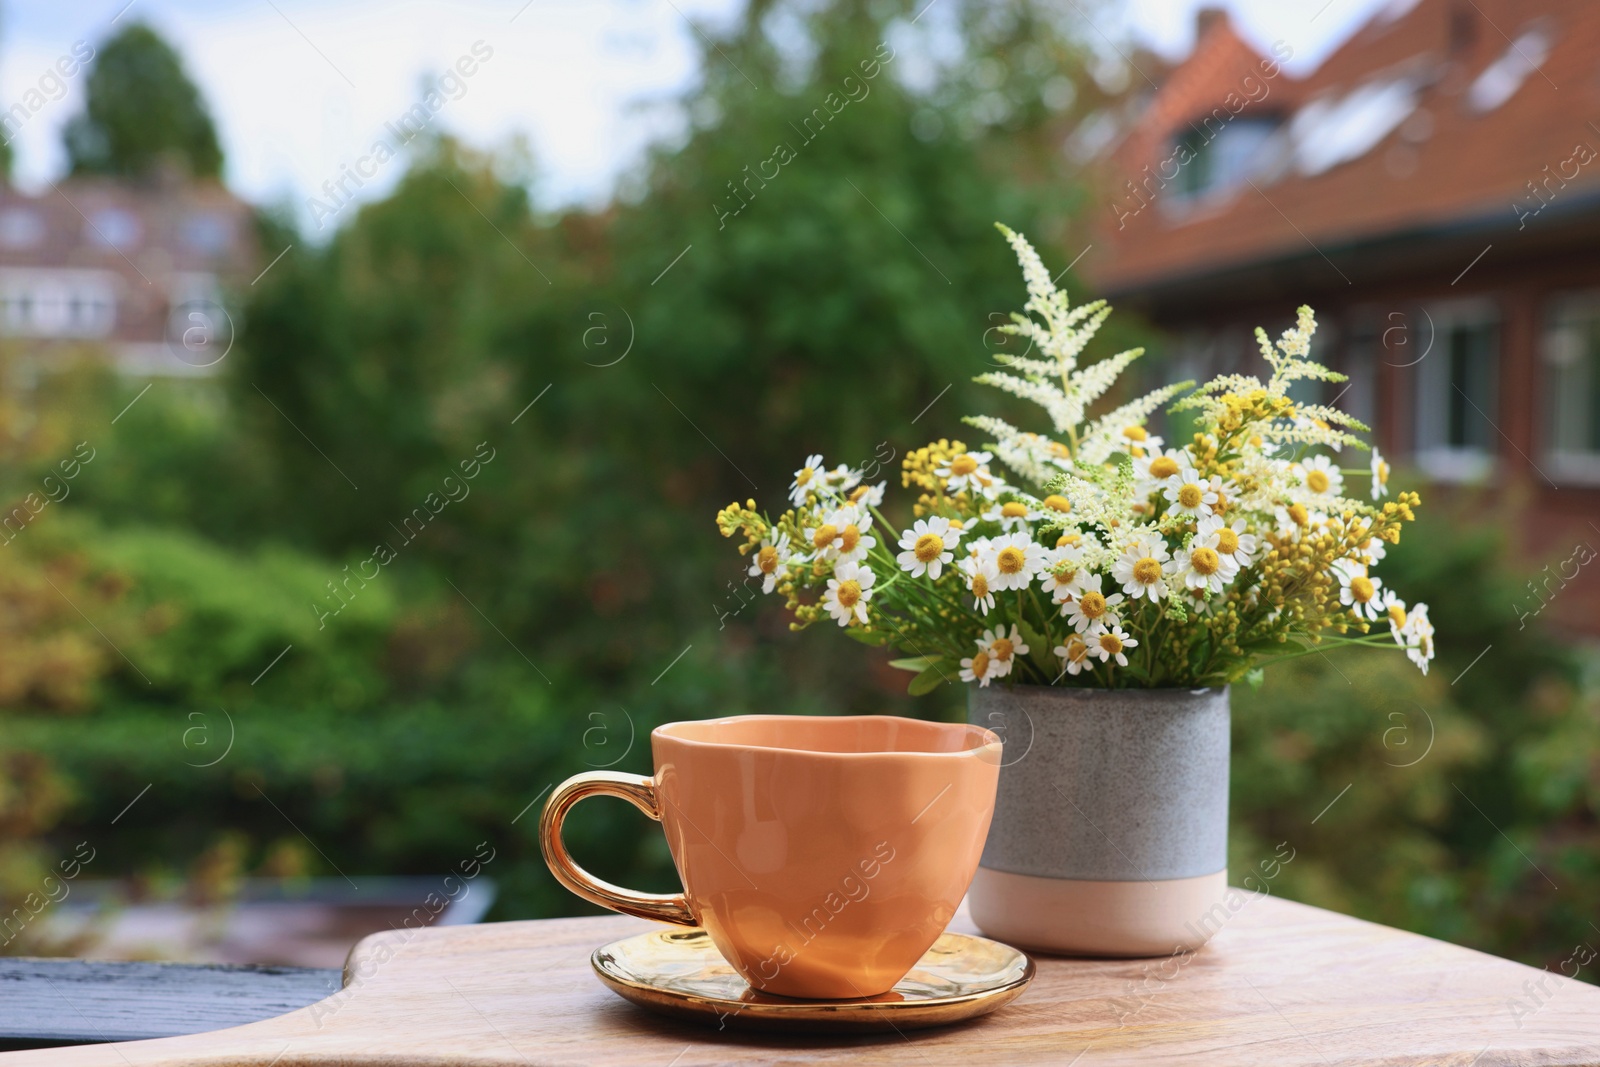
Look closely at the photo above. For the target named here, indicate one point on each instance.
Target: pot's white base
(1084, 918)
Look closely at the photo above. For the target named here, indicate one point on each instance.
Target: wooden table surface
(1281, 984)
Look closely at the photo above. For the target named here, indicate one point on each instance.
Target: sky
(301, 89)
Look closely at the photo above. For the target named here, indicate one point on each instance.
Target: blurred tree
(142, 112)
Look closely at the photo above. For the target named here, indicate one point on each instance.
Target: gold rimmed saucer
(679, 972)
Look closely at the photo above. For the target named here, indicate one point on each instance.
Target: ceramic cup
(823, 855)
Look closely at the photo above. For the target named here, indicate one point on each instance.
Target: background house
(139, 267)
(1433, 190)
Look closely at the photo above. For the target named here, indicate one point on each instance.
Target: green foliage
(1473, 799)
(142, 112)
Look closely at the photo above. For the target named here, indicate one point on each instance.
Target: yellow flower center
(1190, 495)
(980, 664)
(1361, 589)
(1147, 571)
(1091, 605)
(804, 477)
(1001, 649)
(1163, 467)
(851, 536)
(1317, 481)
(928, 548)
(1011, 559)
(1013, 510)
(1297, 514)
(1397, 615)
(824, 535)
(955, 524)
(859, 492)
(1227, 541)
(1111, 643)
(767, 559)
(1135, 433)
(1067, 539)
(963, 464)
(1065, 572)
(1057, 502)
(980, 586)
(1383, 473)
(848, 593)
(1076, 649)
(1205, 561)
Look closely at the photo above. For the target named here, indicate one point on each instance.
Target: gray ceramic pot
(1110, 830)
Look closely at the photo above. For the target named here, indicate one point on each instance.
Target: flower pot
(1110, 830)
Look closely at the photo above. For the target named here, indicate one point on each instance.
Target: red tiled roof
(1447, 162)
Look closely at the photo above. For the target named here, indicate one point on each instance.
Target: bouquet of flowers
(1102, 558)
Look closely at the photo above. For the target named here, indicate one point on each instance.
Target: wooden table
(1281, 984)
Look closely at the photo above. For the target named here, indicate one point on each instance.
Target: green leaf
(866, 637)
(930, 679)
(916, 664)
(1039, 650)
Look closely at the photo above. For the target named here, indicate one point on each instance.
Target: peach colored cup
(823, 855)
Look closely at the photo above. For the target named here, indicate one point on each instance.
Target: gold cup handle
(641, 793)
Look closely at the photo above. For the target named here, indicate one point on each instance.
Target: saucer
(679, 972)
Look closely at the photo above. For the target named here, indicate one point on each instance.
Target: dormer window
(1215, 157)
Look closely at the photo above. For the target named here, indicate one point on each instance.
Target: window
(1456, 392)
(114, 227)
(57, 303)
(1221, 155)
(1572, 388)
(20, 228)
(1357, 360)
(207, 232)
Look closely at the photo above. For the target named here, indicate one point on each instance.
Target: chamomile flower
(1003, 649)
(1140, 442)
(978, 667)
(1419, 637)
(853, 542)
(868, 496)
(980, 575)
(1359, 593)
(1091, 611)
(1189, 494)
(1231, 542)
(1151, 472)
(1112, 644)
(1141, 569)
(1074, 654)
(967, 471)
(1200, 566)
(808, 479)
(842, 536)
(1321, 477)
(1055, 507)
(1061, 571)
(1294, 520)
(1016, 560)
(848, 592)
(1394, 609)
(841, 479)
(770, 560)
(1224, 491)
(1380, 474)
(1013, 515)
(927, 546)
